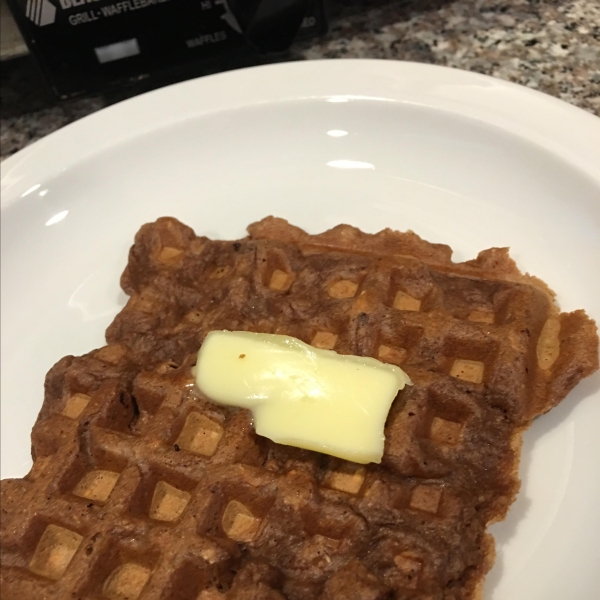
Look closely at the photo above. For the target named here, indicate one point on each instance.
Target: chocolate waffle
(143, 489)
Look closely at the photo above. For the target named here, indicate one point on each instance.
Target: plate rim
(562, 128)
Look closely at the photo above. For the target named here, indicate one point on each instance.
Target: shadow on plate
(518, 511)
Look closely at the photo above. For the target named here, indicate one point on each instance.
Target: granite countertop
(549, 45)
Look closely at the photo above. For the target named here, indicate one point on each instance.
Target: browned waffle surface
(143, 489)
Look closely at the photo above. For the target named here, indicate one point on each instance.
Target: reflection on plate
(460, 158)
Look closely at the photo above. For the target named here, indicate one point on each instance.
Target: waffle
(143, 489)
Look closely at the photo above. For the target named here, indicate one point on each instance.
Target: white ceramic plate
(459, 158)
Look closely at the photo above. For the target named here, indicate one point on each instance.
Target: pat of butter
(299, 395)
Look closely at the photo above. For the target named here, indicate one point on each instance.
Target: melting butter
(299, 395)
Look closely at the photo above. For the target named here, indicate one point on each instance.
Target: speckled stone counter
(549, 45)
